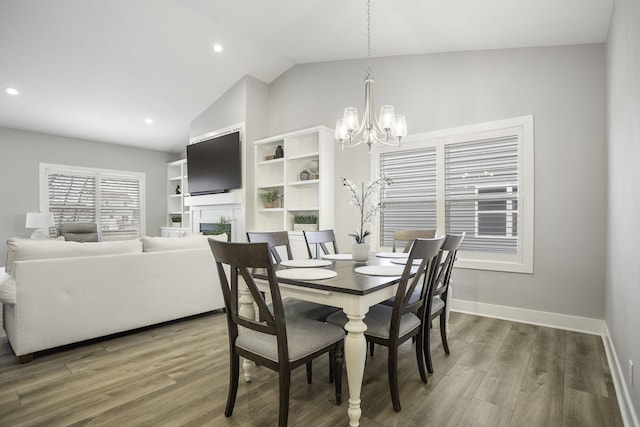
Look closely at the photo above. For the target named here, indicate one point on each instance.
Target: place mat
(392, 255)
(403, 261)
(305, 263)
(380, 270)
(306, 273)
(338, 257)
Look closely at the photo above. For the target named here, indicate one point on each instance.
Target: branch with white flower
(364, 198)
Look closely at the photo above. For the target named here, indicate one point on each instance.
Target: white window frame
(47, 168)
(522, 127)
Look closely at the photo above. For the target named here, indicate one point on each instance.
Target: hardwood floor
(499, 373)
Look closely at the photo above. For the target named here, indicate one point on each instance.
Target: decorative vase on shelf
(279, 152)
(360, 252)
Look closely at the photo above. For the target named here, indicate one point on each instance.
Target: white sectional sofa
(56, 292)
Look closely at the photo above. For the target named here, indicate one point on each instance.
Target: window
(112, 199)
(476, 179)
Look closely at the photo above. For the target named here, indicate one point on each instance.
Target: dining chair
(275, 239)
(437, 301)
(408, 236)
(293, 307)
(392, 326)
(273, 342)
(319, 239)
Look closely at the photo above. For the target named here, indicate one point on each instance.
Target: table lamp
(41, 221)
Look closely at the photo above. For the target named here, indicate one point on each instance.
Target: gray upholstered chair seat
(436, 304)
(378, 321)
(304, 337)
(310, 310)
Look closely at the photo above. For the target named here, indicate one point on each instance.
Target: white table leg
(355, 349)
(246, 309)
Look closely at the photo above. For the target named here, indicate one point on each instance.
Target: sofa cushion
(7, 288)
(190, 241)
(28, 249)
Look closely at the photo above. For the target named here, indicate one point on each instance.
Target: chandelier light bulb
(350, 119)
(387, 118)
(341, 130)
(400, 129)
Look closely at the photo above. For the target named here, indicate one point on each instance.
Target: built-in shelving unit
(177, 202)
(308, 193)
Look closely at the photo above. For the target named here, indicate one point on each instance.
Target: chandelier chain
(369, 36)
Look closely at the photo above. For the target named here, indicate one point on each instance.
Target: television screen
(215, 165)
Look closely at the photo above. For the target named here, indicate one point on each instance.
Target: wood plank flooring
(499, 373)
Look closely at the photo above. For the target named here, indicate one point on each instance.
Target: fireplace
(219, 213)
(209, 228)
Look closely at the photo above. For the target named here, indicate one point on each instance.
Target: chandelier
(387, 129)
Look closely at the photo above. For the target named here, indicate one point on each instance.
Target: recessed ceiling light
(11, 90)
(148, 121)
(217, 47)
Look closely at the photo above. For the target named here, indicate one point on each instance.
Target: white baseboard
(629, 416)
(570, 323)
(534, 317)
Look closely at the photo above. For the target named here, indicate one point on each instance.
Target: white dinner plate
(338, 257)
(305, 263)
(306, 273)
(392, 255)
(380, 270)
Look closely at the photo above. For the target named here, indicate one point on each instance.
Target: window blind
(481, 194)
(72, 197)
(410, 201)
(112, 201)
(119, 207)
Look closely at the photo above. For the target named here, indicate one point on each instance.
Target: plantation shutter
(72, 197)
(119, 207)
(410, 201)
(481, 194)
(112, 200)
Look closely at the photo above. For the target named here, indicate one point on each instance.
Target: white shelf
(271, 162)
(304, 156)
(305, 182)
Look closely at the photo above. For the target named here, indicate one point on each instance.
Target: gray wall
(622, 304)
(22, 152)
(563, 87)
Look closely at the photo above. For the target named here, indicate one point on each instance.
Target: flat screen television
(215, 165)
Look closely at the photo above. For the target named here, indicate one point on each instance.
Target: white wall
(21, 152)
(563, 87)
(622, 304)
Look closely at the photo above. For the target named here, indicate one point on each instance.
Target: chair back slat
(320, 239)
(275, 239)
(450, 247)
(428, 251)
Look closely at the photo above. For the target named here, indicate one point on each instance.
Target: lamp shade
(39, 220)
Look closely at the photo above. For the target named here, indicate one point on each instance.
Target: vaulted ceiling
(96, 69)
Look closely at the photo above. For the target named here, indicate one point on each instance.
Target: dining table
(352, 288)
